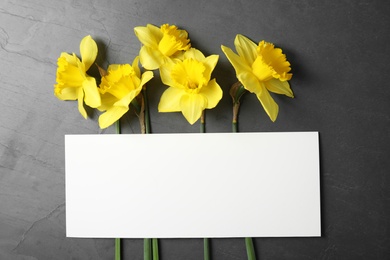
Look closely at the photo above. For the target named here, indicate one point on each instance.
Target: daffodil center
(191, 85)
(121, 80)
(189, 75)
(262, 70)
(173, 40)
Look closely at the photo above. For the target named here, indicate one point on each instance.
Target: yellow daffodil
(190, 88)
(72, 79)
(118, 88)
(160, 44)
(261, 68)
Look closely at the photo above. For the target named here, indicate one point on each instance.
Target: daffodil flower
(118, 88)
(72, 79)
(160, 44)
(261, 68)
(190, 88)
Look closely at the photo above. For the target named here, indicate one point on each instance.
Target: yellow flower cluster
(120, 85)
(260, 68)
(185, 70)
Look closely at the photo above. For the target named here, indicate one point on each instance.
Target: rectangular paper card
(193, 185)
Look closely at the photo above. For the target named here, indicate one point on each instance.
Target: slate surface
(339, 54)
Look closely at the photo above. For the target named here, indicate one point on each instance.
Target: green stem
(202, 123)
(117, 240)
(206, 249)
(147, 249)
(150, 245)
(206, 242)
(155, 248)
(117, 249)
(147, 117)
(234, 127)
(248, 241)
(236, 107)
(250, 250)
(202, 128)
(118, 127)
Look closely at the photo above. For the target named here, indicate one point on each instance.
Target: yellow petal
(149, 35)
(66, 93)
(125, 101)
(71, 59)
(92, 95)
(192, 107)
(88, 51)
(136, 67)
(245, 48)
(269, 104)
(112, 115)
(170, 100)
(81, 103)
(115, 108)
(238, 63)
(279, 87)
(146, 76)
(165, 73)
(213, 93)
(195, 54)
(250, 82)
(210, 62)
(108, 101)
(155, 31)
(150, 58)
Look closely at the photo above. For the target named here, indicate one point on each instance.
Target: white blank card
(193, 185)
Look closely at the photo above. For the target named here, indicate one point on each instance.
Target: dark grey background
(339, 53)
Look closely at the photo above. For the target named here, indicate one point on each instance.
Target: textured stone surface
(339, 53)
